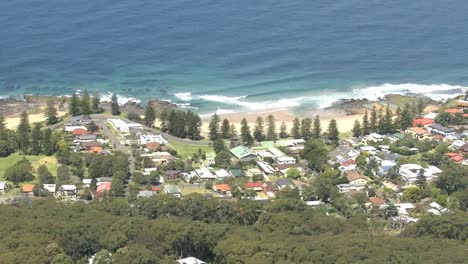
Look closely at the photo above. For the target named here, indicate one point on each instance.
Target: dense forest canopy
(161, 229)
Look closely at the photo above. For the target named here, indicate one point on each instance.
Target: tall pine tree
(365, 124)
(373, 120)
(258, 133)
(306, 128)
(357, 130)
(271, 128)
(74, 106)
(22, 133)
(85, 103)
(317, 130)
(283, 130)
(225, 129)
(115, 108)
(296, 128)
(150, 116)
(332, 133)
(96, 102)
(51, 112)
(246, 136)
(214, 127)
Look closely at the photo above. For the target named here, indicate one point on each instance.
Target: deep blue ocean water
(235, 55)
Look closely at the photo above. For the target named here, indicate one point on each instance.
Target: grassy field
(49, 161)
(186, 150)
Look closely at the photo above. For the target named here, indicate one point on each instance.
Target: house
(190, 260)
(150, 138)
(221, 174)
(284, 183)
(421, 122)
(171, 175)
(355, 177)
(87, 182)
(375, 137)
(236, 172)
(67, 190)
(431, 115)
(256, 186)
(348, 165)
(464, 148)
(353, 154)
(266, 168)
(145, 193)
(28, 189)
(370, 149)
(172, 190)
(404, 207)
(455, 157)
(410, 172)
(71, 127)
(152, 146)
(441, 130)
(50, 187)
(385, 166)
(80, 132)
(243, 154)
(103, 188)
(205, 174)
(3, 186)
(377, 201)
(210, 159)
(86, 138)
(222, 188)
(122, 126)
(352, 142)
(457, 144)
(454, 111)
(345, 187)
(417, 133)
(283, 168)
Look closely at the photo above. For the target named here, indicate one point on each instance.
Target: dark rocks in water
(160, 105)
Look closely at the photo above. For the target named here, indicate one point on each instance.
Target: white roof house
(50, 187)
(71, 128)
(286, 160)
(190, 260)
(222, 173)
(369, 149)
(431, 116)
(149, 138)
(3, 186)
(266, 167)
(122, 126)
(205, 173)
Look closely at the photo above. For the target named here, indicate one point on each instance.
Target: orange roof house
(377, 201)
(422, 122)
(222, 188)
(28, 188)
(455, 157)
(97, 150)
(454, 111)
(80, 131)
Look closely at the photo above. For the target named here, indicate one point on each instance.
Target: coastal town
(398, 163)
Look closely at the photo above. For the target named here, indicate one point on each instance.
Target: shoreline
(344, 111)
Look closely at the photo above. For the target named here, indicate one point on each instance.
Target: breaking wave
(438, 92)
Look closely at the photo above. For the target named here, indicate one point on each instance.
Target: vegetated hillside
(161, 229)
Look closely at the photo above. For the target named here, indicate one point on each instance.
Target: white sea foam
(120, 99)
(438, 92)
(184, 96)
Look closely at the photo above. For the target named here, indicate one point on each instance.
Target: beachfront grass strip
(186, 150)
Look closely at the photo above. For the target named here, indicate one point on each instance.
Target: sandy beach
(345, 122)
(14, 120)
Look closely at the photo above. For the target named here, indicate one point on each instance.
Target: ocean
(231, 56)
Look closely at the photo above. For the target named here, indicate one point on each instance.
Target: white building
(205, 174)
(50, 187)
(369, 149)
(410, 172)
(150, 138)
(122, 126)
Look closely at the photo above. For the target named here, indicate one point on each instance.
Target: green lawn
(49, 161)
(186, 150)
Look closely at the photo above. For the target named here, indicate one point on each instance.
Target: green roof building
(243, 154)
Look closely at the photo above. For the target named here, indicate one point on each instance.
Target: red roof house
(454, 111)
(80, 132)
(102, 188)
(377, 201)
(258, 186)
(455, 157)
(422, 122)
